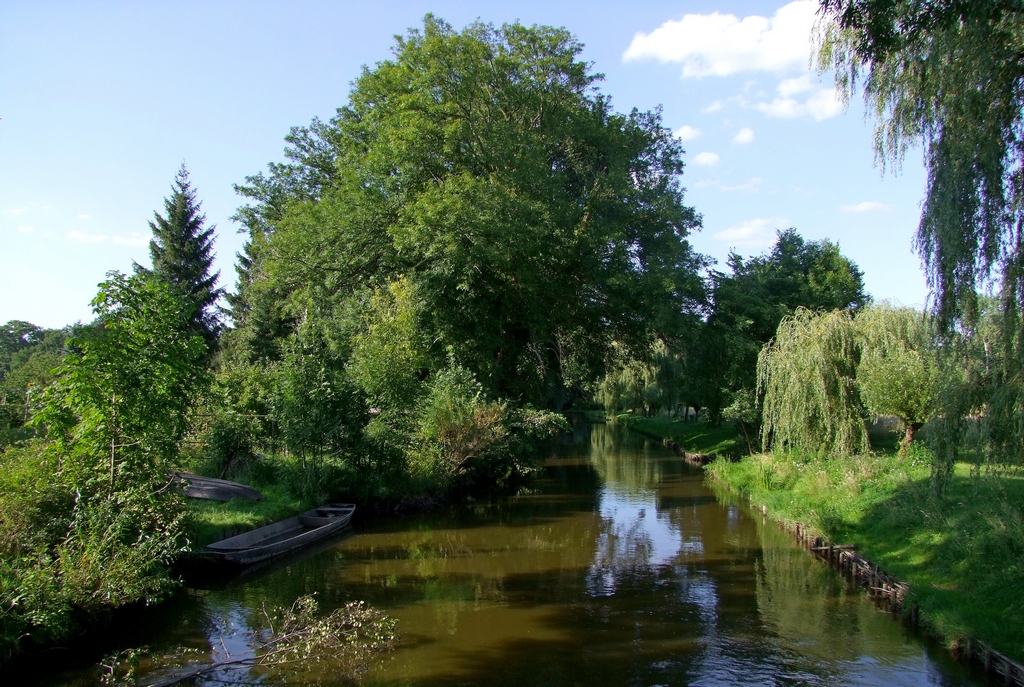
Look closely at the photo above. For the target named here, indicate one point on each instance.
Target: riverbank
(214, 520)
(961, 553)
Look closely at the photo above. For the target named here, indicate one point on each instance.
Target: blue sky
(100, 102)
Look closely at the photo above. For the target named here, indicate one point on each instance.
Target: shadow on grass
(962, 553)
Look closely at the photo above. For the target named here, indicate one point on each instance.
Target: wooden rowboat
(198, 487)
(283, 537)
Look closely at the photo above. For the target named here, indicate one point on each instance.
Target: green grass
(288, 486)
(213, 520)
(962, 553)
(695, 437)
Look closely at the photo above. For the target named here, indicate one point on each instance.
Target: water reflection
(229, 632)
(636, 536)
(624, 568)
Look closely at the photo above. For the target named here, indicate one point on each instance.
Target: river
(620, 566)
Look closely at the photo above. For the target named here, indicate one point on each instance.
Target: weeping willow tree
(949, 75)
(824, 373)
(807, 376)
(899, 373)
(652, 382)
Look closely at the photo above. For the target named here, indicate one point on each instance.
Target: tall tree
(260, 322)
(825, 372)
(99, 525)
(182, 253)
(536, 224)
(900, 372)
(949, 75)
(750, 303)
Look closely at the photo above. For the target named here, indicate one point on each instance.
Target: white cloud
(687, 133)
(706, 159)
(752, 234)
(136, 239)
(781, 108)
(744, 135)
(83, 237)
(713, 107)
(866, 206)
(26, 229)
(822, 104)
(795, 86)
(19, 211)
(751, 186)
(84, 217)
(722, 44)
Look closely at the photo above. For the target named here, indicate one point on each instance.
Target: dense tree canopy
(99, 523)
(535, 223)
(28, 357)
(807, 376)
(899, 373)
(15, 336)
(824, 373)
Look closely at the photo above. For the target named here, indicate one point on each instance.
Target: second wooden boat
(283, 537)
(198, 487)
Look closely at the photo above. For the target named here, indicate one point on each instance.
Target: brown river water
(619, 566)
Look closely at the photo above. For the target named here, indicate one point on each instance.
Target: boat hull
(211, 488)
(282, 537)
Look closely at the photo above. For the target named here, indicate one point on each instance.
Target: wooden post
(988, 660)
(1008, 675)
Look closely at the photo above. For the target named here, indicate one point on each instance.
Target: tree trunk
(912, 428)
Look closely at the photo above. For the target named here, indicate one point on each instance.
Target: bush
(64, 558)
(465, 439)
(87, 522)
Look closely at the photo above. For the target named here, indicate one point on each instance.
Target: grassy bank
(695, 437)
(213, 520)
(288, 487)
(962, 553)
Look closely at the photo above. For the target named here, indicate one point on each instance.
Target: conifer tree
(182, 253)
